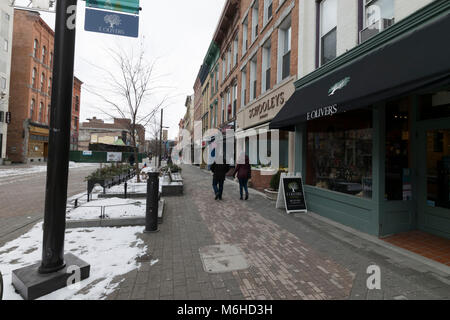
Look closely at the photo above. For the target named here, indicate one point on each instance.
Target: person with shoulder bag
(244, 173)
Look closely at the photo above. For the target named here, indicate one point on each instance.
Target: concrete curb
(123, 222)
(430, 263)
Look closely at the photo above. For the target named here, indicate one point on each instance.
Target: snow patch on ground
(111, 252)
(20, 171)
(114, 208)
(132, 187)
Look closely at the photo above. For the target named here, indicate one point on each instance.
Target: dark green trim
(425, 15)
(212, 54)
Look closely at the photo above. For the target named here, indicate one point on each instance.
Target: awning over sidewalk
(418, 59)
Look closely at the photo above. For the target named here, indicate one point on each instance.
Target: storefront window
(438, 168)
(398, 174)
(339, 155)
(434, 106)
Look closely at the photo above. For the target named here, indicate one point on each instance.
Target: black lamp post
(38, 280)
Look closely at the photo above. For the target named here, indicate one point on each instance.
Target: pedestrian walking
(244, 173)
(219, 172)
(131, 159)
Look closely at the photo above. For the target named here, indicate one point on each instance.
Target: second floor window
(328, 30)
(234, 103)
(284, 49)
(33, 78)
(42, 81)
(32, 105)
(253, 78)
(41, 108)
(244, 87)
(266, 65)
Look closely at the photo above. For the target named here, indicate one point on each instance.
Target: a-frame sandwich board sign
(291, 193)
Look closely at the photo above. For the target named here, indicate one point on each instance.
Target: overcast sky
(177, 32)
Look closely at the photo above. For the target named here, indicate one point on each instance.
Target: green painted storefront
(426, 136)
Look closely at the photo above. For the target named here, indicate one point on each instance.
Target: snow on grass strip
(111, 252)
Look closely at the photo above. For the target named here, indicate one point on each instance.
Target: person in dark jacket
(219, 172)
(244, 173)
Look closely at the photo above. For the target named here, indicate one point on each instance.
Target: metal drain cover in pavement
(222, 258)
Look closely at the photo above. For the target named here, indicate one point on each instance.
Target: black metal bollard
(126, 189)
(151, 214)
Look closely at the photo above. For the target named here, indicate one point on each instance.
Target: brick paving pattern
(281, 265)
(289, 256)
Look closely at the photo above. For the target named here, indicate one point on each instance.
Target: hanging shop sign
(112, 23)
(267, 107)
(291, 194)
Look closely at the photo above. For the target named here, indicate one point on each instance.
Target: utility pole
(59, 142)
(51, 274)
(160, 138)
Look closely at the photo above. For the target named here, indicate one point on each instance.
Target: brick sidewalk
(288, 257)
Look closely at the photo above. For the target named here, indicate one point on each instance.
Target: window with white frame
(32, 105)
(224, 67)
(245, 35)
(3, 84)
(268, 11)
(266, 66)
(6, 45)
(253, 80)
(217, 77)
(379, 14)
(223, 108)
(235, 50)
(229, 58)
(49, 86)
(255, 18)
(33, 77)
(35, 48)
(44, 52)
(42, 81)
(234, 99)
(284, 49)
(228, 104)
(41, 108)
(328, 30)
(243, 87)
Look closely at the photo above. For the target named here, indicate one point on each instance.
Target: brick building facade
(31, 87)
(250, 67)
(98, 131)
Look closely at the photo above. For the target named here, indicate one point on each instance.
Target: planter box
(262, 181)
(271, 194)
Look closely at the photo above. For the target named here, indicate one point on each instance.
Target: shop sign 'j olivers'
(58, 270)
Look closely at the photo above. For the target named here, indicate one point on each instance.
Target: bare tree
(129, 93)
